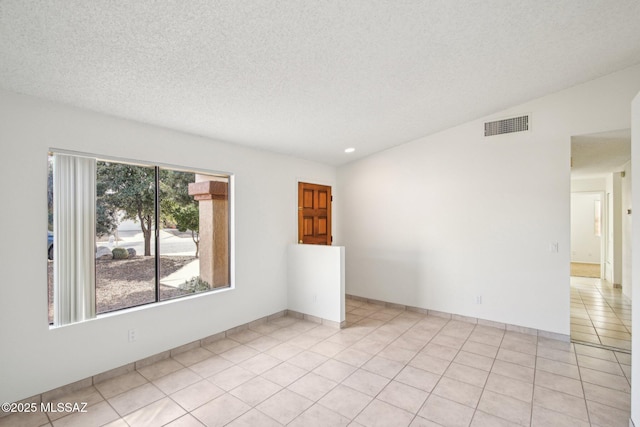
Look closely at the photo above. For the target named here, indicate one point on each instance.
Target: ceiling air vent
(499, 127)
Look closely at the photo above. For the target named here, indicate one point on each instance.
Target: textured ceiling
(601, 153)
(310, 78)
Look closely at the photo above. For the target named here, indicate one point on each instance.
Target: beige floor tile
(120, 422)
(381, 414)
(560, 402)
(335, 370)
(260, 363)
(244, 336)
(614, 334)
(328, 348)
(366, 382)
(192, 356)
(120, 384)
(156, 414)
(559, 383)
(197, 395)
(222, 345)
(441, 352)
(318, 416)
(384, 367)
(305, 341)
(353, 357)
(446, 412)
(399, 354)
(599, 365)
(368, 345)
(423, 422)
(284, 351)
(430, 363)
(160, 369)
(253, 418)
(411, 342)
(418, 378)
(482, 419)
(607, 396)
(136, 398)
(263, 343)
(509, 387)
(524, 359)
(585, 329)
(543, 417)
(606, 416)
(25, 419)
(177, 380)
(210, 366)
(97, 415)
(558, 368)
(604, 379)
(582, 337)
(284, 406)
(581, 321)
(480, 348)
(220, 411)
(89, 396)
(448, 341)
(403, 396)
(255, 391)
(505, 407)
(557, 355)
(345, 401)
(231, 377)
(511, 370)
(616, 343)
(623, 358)
(467, 374)
(239, 354)
(484, 338)
(308, 360)
(312, 386)
(284, 374)
(458, 391)
(474, 360)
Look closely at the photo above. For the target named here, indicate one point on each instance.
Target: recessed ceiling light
(349, 150)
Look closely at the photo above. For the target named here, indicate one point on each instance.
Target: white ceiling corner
(309, 78)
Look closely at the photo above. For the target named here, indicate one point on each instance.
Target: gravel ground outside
(128, 282)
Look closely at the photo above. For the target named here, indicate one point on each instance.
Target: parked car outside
(49, 244)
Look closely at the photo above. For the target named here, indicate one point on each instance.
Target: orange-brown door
(314, 214)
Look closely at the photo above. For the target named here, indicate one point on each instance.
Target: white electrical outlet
(133, 335)
(479, 299)
(315, 297)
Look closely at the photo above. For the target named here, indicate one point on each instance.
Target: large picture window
(124, 234)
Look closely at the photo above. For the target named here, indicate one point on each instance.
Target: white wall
(585, 244)
(615, 260)
(35, 358)
(588, 184)
(635, 257)
(438, 221)
(316, 281)
(627, 239)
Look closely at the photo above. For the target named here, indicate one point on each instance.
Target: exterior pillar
(213, 198)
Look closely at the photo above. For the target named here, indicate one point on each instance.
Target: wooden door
(314, 214)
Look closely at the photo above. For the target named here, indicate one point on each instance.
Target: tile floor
(600, 314)
(390, 367)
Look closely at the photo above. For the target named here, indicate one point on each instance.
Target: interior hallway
(600, 314)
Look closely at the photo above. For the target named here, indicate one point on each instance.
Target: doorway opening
(600, 240)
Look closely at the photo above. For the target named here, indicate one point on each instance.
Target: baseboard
(52, 395)
(484, 322)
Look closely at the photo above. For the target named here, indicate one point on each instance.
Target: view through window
(155, 233)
